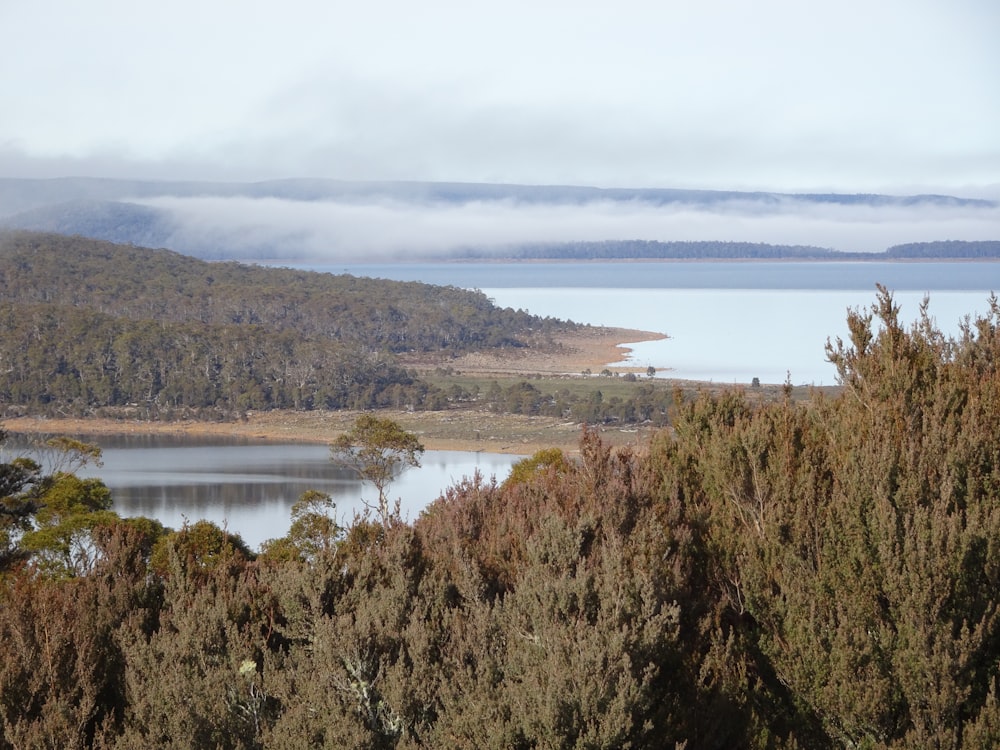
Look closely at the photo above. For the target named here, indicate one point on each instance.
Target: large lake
(726, 321)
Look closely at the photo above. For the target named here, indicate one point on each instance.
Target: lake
(727, 321)
(249, 487)
(733, 335)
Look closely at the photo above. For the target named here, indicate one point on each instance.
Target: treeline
(711, 250)
(89, 325)
(770, 575)
(67, 360)
(945, 249)
(645, 403)
(655, 250)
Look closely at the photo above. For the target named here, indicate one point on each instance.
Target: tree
(17, 506)
(70, 510)
(314, 530)
(52, 517)
(199, 549)
(377, 449)
(539, 462)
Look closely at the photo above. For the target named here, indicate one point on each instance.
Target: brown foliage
(771, 575)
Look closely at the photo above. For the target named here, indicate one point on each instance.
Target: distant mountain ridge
(112, 221)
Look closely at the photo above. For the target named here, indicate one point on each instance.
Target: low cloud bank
(275, 228)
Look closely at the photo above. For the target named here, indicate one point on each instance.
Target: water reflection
(249, 487)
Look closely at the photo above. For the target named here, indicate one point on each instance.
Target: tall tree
(377, 450)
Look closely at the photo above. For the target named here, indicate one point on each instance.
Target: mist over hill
(345, 220)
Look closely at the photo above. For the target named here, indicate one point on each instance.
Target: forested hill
(655, 250)
(90, 324)
(139, 283)
(946, 249)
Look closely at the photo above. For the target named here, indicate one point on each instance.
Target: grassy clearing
(465, 426)
(576, 385)
(610, 386)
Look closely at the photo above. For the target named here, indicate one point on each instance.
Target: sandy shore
(466, 430)
(591, 349)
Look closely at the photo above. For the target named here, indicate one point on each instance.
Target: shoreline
(465, 431)
(593, 349)
(469, 430)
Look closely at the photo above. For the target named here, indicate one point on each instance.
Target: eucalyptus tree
(377, 449)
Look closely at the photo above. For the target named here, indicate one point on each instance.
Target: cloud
(382, 229)
(774, 95)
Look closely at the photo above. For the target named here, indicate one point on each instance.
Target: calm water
(727, 321)
(733, 335)
(913, 276)
(249, 487)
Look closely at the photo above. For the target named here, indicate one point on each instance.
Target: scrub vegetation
(767, 574)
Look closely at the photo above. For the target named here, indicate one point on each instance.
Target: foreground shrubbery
(783, 575)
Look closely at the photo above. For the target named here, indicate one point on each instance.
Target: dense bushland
(820, 574)
(647, 403)
(91, 328)
(89, 324)
(141, 284)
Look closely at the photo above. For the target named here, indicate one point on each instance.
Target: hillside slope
(90, 324)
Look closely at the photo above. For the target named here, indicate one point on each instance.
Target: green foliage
(583, 402)
(198, 549)
(377, 449)
(546, 459)
(90, 325)
(856, 538)
(314, 531)
(52, 518)
(70, 510)
(17, 506)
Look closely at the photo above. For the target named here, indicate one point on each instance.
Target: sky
(895, 96)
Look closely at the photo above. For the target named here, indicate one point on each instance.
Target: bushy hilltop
(138, 283)
(818, 574)
(90, 324)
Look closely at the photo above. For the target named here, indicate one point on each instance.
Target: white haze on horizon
(391, 229)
